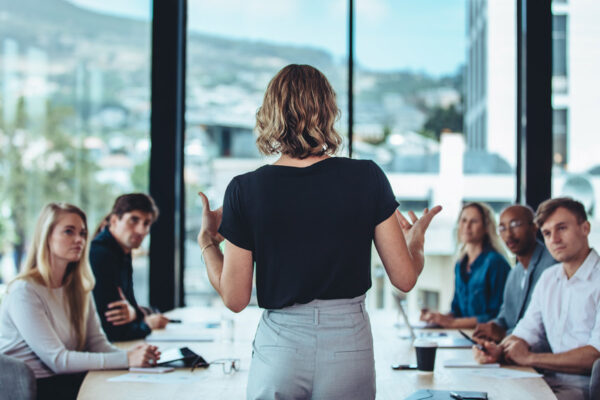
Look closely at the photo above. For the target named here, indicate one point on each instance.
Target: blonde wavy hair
(298, 114)
(491, 237)
(78, 281)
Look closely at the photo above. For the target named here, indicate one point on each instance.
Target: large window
(74, 114)
(435, 108)
(434, 95)
(575, 96)
(234, 48)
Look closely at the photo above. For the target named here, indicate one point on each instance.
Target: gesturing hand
(120, 312)
(209, 232)
(415, 232)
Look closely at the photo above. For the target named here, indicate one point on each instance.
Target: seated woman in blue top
(480, 272)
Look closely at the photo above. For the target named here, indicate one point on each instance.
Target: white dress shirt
(565, 309)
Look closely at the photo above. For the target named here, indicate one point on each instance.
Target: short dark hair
(127, 203)
(548, 207)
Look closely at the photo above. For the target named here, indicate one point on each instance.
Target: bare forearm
(576, 361)
(417, 255)
(213, 259)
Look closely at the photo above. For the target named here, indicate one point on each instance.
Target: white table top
(212, 383)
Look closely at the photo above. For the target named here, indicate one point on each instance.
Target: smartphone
(470, 339)
(400, 367)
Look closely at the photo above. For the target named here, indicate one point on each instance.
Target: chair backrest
(595, 381)
(16, 379)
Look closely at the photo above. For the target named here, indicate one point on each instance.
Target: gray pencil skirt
(319, 350)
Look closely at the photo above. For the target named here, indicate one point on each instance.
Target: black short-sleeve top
(309, 229)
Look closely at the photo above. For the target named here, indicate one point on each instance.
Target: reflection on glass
(74, 115)
(234, 48)
(575, 96)
(438, 115)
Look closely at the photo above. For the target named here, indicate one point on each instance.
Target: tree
(441, 119)
(63, 171)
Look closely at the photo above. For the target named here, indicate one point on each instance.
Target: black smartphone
(400, 367)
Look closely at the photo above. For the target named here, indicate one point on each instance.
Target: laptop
(443, 341)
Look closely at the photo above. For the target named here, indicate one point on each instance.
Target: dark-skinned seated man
(518, 231)
(564, 306)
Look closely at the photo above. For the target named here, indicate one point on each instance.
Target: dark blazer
(112, 269)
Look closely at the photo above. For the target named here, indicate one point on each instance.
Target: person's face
(131, 229)
(67, 240)
(517, 230)
(470, 226)
(564, 236)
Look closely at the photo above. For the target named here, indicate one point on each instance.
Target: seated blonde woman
(480, 272)
(48, 318)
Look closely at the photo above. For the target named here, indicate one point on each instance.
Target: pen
(174, 321)
(470, 339)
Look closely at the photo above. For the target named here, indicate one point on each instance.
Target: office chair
(16, 379)
(595, 381)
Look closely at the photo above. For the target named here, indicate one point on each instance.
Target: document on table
(501, 373)
(461, 363)
(159, 378)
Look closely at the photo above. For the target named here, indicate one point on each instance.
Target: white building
(490, 115)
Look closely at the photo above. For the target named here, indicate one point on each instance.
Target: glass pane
(74, 114)
(234, 48)
(576, 60)
(435, 108)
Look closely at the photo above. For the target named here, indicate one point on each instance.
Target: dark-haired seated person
(121, 231)
(518, 231)
(480, 273)
(564, 306)
(48, 319)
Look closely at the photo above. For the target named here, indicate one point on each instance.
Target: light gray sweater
(35, 328)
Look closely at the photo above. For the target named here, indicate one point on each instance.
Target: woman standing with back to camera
(308, 222)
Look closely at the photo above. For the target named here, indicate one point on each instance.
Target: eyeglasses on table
(230, 365)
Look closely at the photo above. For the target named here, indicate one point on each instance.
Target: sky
(420, 35)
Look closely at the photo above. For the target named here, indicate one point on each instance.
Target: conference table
(212, 383)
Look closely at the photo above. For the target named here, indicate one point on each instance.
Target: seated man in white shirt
(564, 305)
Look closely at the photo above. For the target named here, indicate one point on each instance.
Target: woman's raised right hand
(414, 232)
(143, 355)
(211, 219)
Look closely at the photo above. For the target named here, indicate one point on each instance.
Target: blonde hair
(298, 114)
(78, 281)
(491, 237)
